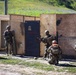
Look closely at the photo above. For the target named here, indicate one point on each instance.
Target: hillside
(33, 8)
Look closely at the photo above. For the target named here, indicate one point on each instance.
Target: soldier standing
(47, 41)
(8, 36)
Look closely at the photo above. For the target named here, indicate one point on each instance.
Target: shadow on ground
(3, 58)
(66, 65)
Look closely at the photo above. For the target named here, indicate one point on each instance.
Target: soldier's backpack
(55, 49)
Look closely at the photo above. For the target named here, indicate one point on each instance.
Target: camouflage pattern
(8, 36)
(54, 57)
(47, 40)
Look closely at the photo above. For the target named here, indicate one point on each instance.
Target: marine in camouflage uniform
(55, 53)
(8, 36)
(47, 41)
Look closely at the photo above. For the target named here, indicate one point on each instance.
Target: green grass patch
(35, 64)
(33, 8)
(7, 60)
(39, 65)
(71, 69)
(67, 69)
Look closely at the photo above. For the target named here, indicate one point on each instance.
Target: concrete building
(64, 26)
(28, 28)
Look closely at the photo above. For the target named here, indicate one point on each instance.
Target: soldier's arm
(49, 49)
(44, 40)
(39, 39)
(4, 34)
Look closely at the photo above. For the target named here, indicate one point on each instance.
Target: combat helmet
(46, 32)
(54, 42)
(8, 27)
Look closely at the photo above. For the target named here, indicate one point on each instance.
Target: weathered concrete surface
(67, 33)
(4, 18)
(16, 22)
(47, 22)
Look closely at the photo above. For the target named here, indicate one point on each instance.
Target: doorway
(32, 31)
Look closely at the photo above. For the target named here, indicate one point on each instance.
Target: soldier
(8, 36)
(55, 52)
(47, 41)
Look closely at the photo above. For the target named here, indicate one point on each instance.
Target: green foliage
(74, 4)
(67, 3)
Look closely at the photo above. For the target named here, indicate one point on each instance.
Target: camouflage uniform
(47, 41)
(8, 36)
(55, 53)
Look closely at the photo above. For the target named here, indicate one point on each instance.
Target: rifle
(46, 40)
(42, 39)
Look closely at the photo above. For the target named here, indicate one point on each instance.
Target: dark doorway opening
(32, 45)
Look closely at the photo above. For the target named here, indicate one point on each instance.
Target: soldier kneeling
(55, 53)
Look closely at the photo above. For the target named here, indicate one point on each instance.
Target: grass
(70, 69)
(35, 64)
(32, 8)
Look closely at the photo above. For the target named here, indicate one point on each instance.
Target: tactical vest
(55, 49)
(8, 36)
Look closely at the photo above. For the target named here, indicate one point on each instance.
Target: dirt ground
(22, 70)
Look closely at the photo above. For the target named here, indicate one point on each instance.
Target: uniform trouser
(46, 53)
(9, 47)
(53, 59)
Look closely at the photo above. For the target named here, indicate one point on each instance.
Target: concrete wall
(4, 20)
(67, 33)
(3, 28)
(47, 22)
(4, 17)
(16, 22)
(66, 27)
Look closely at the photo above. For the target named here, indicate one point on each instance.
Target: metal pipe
(5, 7)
